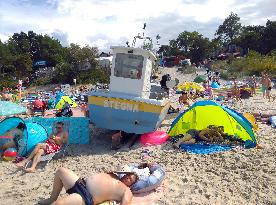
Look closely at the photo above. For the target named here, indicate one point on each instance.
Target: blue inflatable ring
(151, 182)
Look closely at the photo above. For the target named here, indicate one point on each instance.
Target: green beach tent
(204, 113)
(200, 79)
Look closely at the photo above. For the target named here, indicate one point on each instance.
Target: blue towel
(204, 148)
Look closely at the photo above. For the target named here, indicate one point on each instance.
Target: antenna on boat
(141, 37)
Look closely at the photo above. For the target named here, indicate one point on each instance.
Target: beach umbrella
(190, 86)
(9, 108)
(200, 79)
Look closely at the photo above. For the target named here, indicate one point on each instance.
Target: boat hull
(128, 115)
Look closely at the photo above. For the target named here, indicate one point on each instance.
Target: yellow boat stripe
(123, 104)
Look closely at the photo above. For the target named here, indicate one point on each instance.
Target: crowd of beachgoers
(238, 176)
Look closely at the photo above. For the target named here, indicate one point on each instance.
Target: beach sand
(232, 177)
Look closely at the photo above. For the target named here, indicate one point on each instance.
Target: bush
(253, 64)
(93, 77)
(42, 81)
(7, 82)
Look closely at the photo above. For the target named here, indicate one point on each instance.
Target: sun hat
(124, 169)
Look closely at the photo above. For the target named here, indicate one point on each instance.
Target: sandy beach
(233, 177)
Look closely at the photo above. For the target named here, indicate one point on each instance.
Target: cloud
(104, 23)
(61, 36)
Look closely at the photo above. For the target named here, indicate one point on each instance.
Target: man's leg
(72, 199)
(115, 140)
(63, 178)
(38, 147)
(35, 160)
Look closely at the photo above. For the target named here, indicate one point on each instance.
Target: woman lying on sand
(92, 190)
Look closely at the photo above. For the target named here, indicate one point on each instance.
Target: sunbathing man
(15, 134)
(52, 145)
(92, 190)
(184, 99)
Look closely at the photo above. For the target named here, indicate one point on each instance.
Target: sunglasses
(59, 127)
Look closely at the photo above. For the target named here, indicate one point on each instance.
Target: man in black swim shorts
(92, 190)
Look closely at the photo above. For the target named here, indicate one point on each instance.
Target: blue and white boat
(132, 104)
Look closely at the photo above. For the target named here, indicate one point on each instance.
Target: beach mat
(204, 148)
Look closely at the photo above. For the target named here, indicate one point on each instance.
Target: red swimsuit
(51, 147)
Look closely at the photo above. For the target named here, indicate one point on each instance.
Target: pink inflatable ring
(154, 138)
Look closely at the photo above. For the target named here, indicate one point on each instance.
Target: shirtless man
(265, 84)
(92, 190)
(184, 99)
(52, 145)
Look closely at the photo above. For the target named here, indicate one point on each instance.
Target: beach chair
(48, 157)
(58, 155)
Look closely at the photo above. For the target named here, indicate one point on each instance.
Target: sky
(105, 23)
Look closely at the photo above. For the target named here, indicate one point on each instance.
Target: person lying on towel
(52, 145)
(92, 190)
(211, 134)
(12, 136)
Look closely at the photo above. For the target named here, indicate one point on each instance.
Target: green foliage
(64, 73)
(93, 76)
(254, 64)
(42, 81)
(230, 29)
(7, 82)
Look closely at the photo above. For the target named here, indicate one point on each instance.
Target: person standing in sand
(52, 145)
(92, 190)
(236, 91)
(265, 83)
(269, 88)
(253, 84)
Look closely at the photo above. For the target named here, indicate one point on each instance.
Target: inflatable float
(154, 138)
(150, 178)
(9, 154)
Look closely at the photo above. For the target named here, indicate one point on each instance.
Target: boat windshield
(128, 65)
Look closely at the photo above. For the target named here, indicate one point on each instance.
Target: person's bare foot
(46, 201)
(29, 170)
(21, 164)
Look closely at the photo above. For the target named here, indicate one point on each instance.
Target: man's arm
(65, 137)
(127, 197)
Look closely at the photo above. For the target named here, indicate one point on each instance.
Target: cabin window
(128, 66)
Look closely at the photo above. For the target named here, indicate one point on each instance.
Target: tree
(251, 38)
(229, 30)
(193, 45)
(269, 37)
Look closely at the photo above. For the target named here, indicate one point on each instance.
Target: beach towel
(149, 198)
(204, 148)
